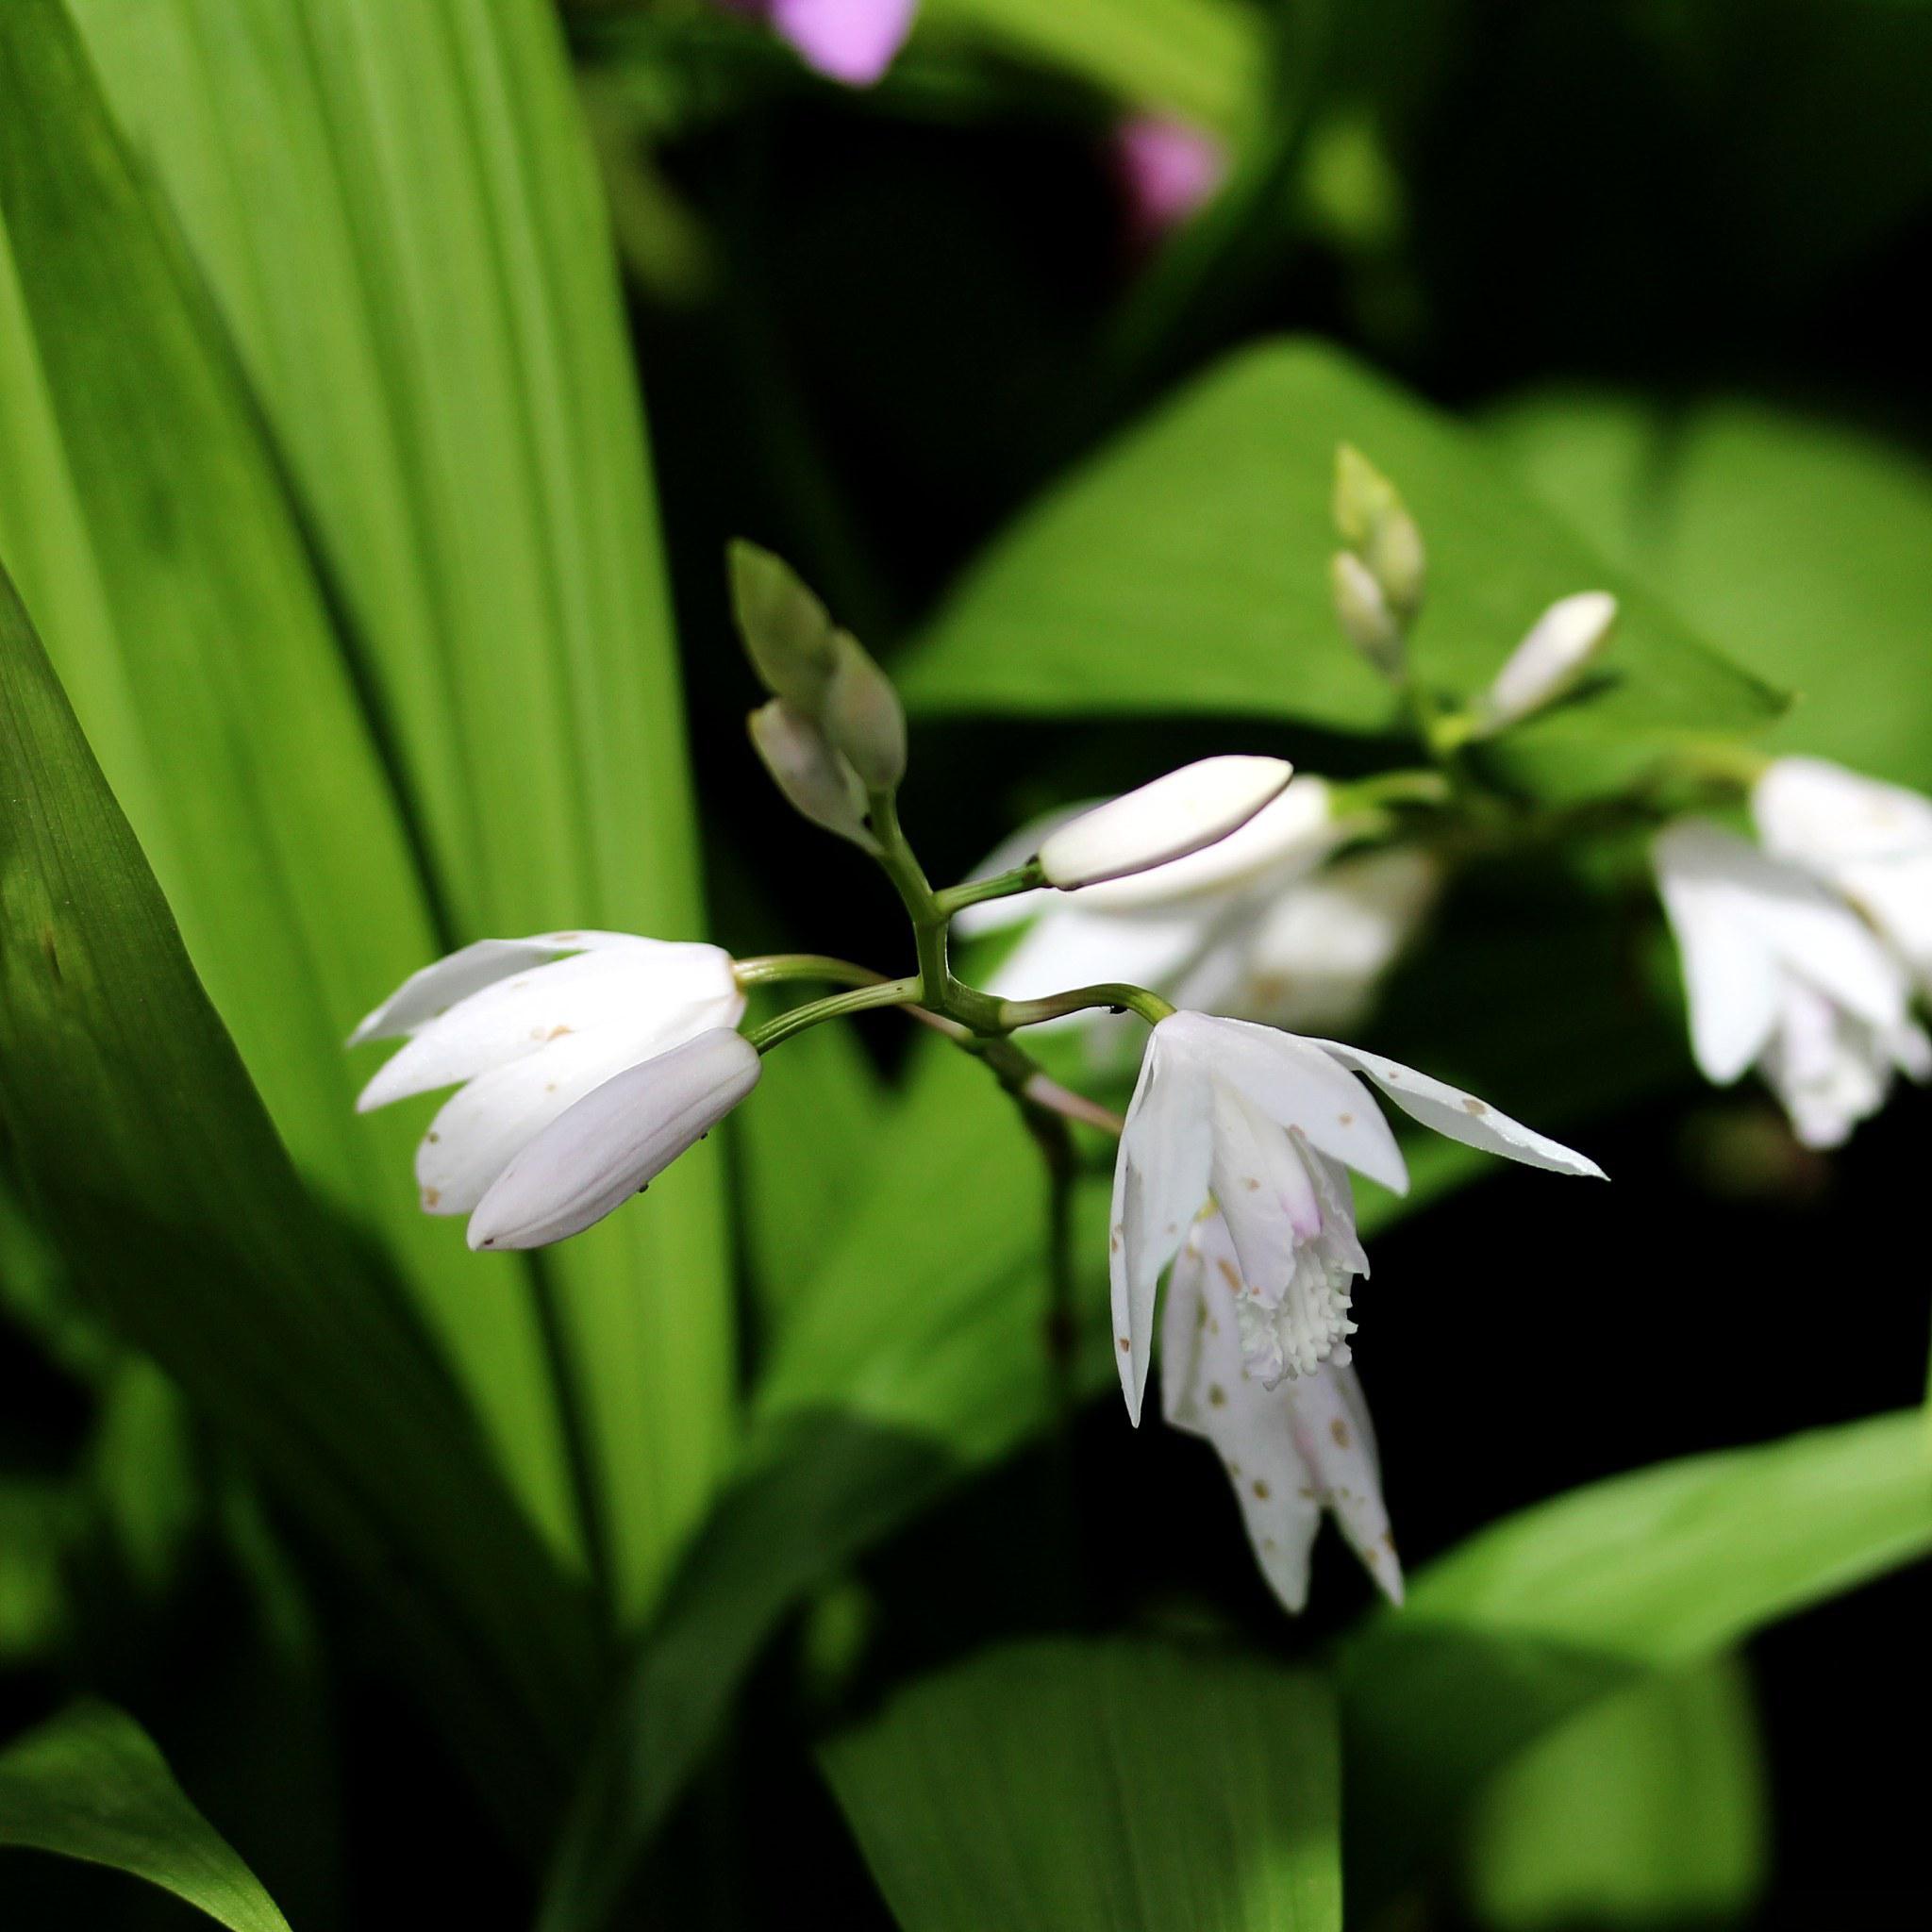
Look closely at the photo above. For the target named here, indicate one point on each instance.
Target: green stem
(1013, 1014)
(889, 992)
(1023, 878)
(772, 969)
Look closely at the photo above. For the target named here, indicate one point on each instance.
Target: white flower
(1270, 1122)
(1290, 1450)
(530, 1028)
(1869, 840)
(615, 1141)
(1781, 974)
(1248, 927)
(1195, 806)
(1558, 648)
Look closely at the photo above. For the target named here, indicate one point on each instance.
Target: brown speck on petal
(1113, 1241)
(1249, 1182)
(1473, 1106)
(431, 1196)
(1261, 1492)
(557, 1032)
(550, 1086)
(1230, 1273)
(1348, 1119)
(432, 1137)
(1217, 1395)
(1269, 1543)
(1126, 1347)
(1338, 1429)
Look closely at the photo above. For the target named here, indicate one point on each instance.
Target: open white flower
(1869, 840)
(1257, 925)
(1290, 1450)
(1270, 1122)
(527, 1028)
(1781, 974)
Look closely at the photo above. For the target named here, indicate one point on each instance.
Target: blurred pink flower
(853, 41)
(1167, 168)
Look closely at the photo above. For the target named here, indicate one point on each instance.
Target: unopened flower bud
(1364, 614)
(1195, 806)
(614, 1141)
(863, 717)
(814, 777)
(786, 631)
(1396, 560)
(1363, 497)
(1558, 650)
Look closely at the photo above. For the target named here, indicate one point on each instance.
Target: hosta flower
(1270, 1122)
(1290, 1450)
(1870, 841)
(527, 1028)
(1257, 925)
(853, 41)
(1781, 974)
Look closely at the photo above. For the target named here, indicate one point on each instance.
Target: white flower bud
(595, 1154)
(1364, 614)
(1192, 807)
(863, 717)
(1559, 648)
(815, 778)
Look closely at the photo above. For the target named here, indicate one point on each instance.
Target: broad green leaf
(91, 1785)
(1533, 1619)
(1185, 568)
(33, 1512)
(143, 512)
(1648, 1810)
(144, 1152)
(1205, 60)
(1114, 1785)
(1802, 546)
(418, 280)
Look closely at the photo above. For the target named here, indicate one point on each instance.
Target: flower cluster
(1222, 918)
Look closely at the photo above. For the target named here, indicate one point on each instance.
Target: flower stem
(770, 969)
(1002, 885)
(887, 992)
(1013, 1014)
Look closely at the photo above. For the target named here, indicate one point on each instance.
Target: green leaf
(1535, 1618)
(144, 1152)
(1649, 1810)
(1205, 60)
(1185, 568)
(1804, 544)
(91, 1785)
(1065, 1785)
(146, 516)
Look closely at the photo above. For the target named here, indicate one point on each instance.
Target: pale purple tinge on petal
(1288, 1452)
(434, 989)
(1168, 170)
(614, 1141)
(850, 40)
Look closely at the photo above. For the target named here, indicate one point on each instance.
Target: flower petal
(1732, 981)
(1460, 1116)
(1296, 1086)
(1160, 1182)
(593, 1157)
(436, 988)
(1069, 946)
(1823, 815)
(1330, 1423)
(649, 982)
(483, 1127)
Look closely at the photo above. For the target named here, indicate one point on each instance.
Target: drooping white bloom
(615, 1141)
(1556, 650)
(1781, 974)
(1869, 840)
(1270, 1122)
(1195, 806)
(1290, 1450)
(528, 1027)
